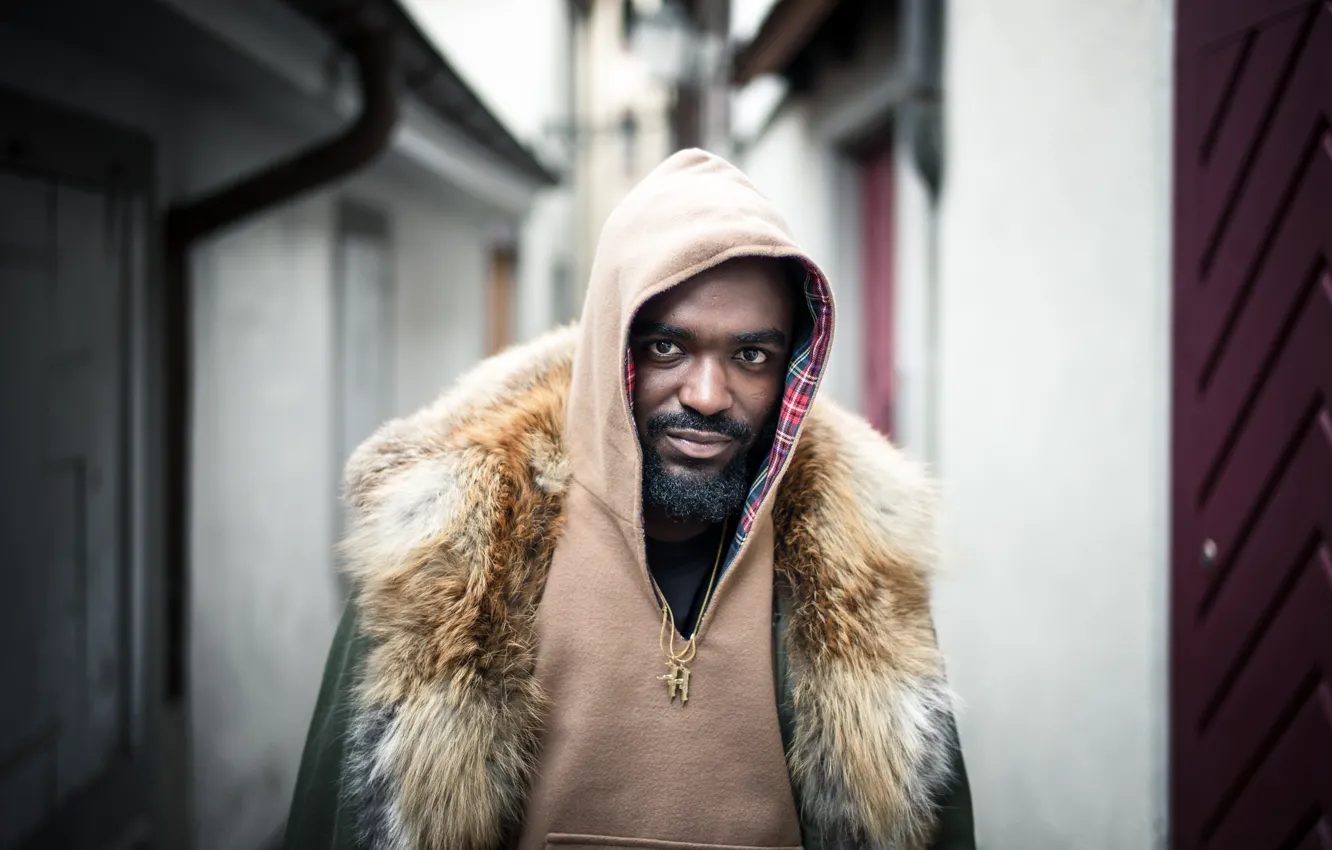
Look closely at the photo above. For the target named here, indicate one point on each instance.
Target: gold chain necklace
(677, 663)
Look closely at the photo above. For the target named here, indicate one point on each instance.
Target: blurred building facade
(650, 78)
(1001, 194)
(272, 224)
(1074, 249)
(194, 350)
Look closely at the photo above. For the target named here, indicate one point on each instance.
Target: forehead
(747, 291)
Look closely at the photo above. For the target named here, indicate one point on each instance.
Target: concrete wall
(264, 593)
(263, 598)
(1052, 440)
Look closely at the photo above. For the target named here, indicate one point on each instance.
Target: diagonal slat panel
(1290, 525)
(1290, 784)
(1251, 464)
(1217, 20)
(1300, 383)
(1273, 58)
(1319, 837)
(1291, 660)
(1292, 145)
(1295, 264)
(1220, 71)
(1236, 282)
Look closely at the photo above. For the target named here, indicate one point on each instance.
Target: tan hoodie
(620, 762)
(495, 679)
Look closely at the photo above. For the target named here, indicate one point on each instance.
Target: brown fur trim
(853, 541)
(456, 512)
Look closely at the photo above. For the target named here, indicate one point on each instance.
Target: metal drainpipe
(920, 129)
(188, 223)
(922, 55)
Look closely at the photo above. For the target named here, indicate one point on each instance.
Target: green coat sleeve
(319, 819)
(957, 829)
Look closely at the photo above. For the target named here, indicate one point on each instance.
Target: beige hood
(693, 212)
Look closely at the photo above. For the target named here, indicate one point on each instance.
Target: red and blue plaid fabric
(802, 377)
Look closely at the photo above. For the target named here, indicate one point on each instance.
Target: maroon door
(1252, 427)
(876, 258)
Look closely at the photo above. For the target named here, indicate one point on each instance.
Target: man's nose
(705, 389)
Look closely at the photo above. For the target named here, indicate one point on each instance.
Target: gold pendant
(677, 682)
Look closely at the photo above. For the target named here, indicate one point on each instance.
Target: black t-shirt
(682, 569)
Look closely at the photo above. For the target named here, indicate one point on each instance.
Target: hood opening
(691, 213)
(813, 334)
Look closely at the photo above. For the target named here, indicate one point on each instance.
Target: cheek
(764, 401)
(773, 389)
(650, 391)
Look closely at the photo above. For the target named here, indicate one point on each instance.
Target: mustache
(690, 420)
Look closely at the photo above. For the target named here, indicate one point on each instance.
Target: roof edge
(428, 75)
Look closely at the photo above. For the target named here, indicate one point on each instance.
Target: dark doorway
(80, 663)
(877, 202)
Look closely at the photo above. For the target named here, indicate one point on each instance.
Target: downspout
(921, 49)
(919, 130)
(185, 226)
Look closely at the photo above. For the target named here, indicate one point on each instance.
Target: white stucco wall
(817, 190)
(263, 601)
(523, 73)
(441, 300)
(546, 248)
(1052, 441)
(264, 596)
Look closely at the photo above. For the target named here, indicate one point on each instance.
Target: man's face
(710, 358)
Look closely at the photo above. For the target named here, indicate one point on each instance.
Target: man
(630, 586)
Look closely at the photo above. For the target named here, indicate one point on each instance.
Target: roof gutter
(187, 224)
(364, 140)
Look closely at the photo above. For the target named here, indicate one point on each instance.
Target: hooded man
(630, 585)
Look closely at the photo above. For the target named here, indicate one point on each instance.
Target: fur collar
(456, 511)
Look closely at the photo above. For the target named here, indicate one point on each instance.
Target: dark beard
(700, 496)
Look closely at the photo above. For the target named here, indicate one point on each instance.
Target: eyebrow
(660, 329)
(770, 336)
(767, 336)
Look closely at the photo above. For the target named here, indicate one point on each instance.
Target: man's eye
(753, 355)
(663, 347)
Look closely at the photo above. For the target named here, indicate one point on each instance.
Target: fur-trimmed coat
(456, 512)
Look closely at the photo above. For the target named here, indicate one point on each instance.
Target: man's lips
(699, 445)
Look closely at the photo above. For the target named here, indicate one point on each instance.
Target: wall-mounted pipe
(188, 223)
(919, 115)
